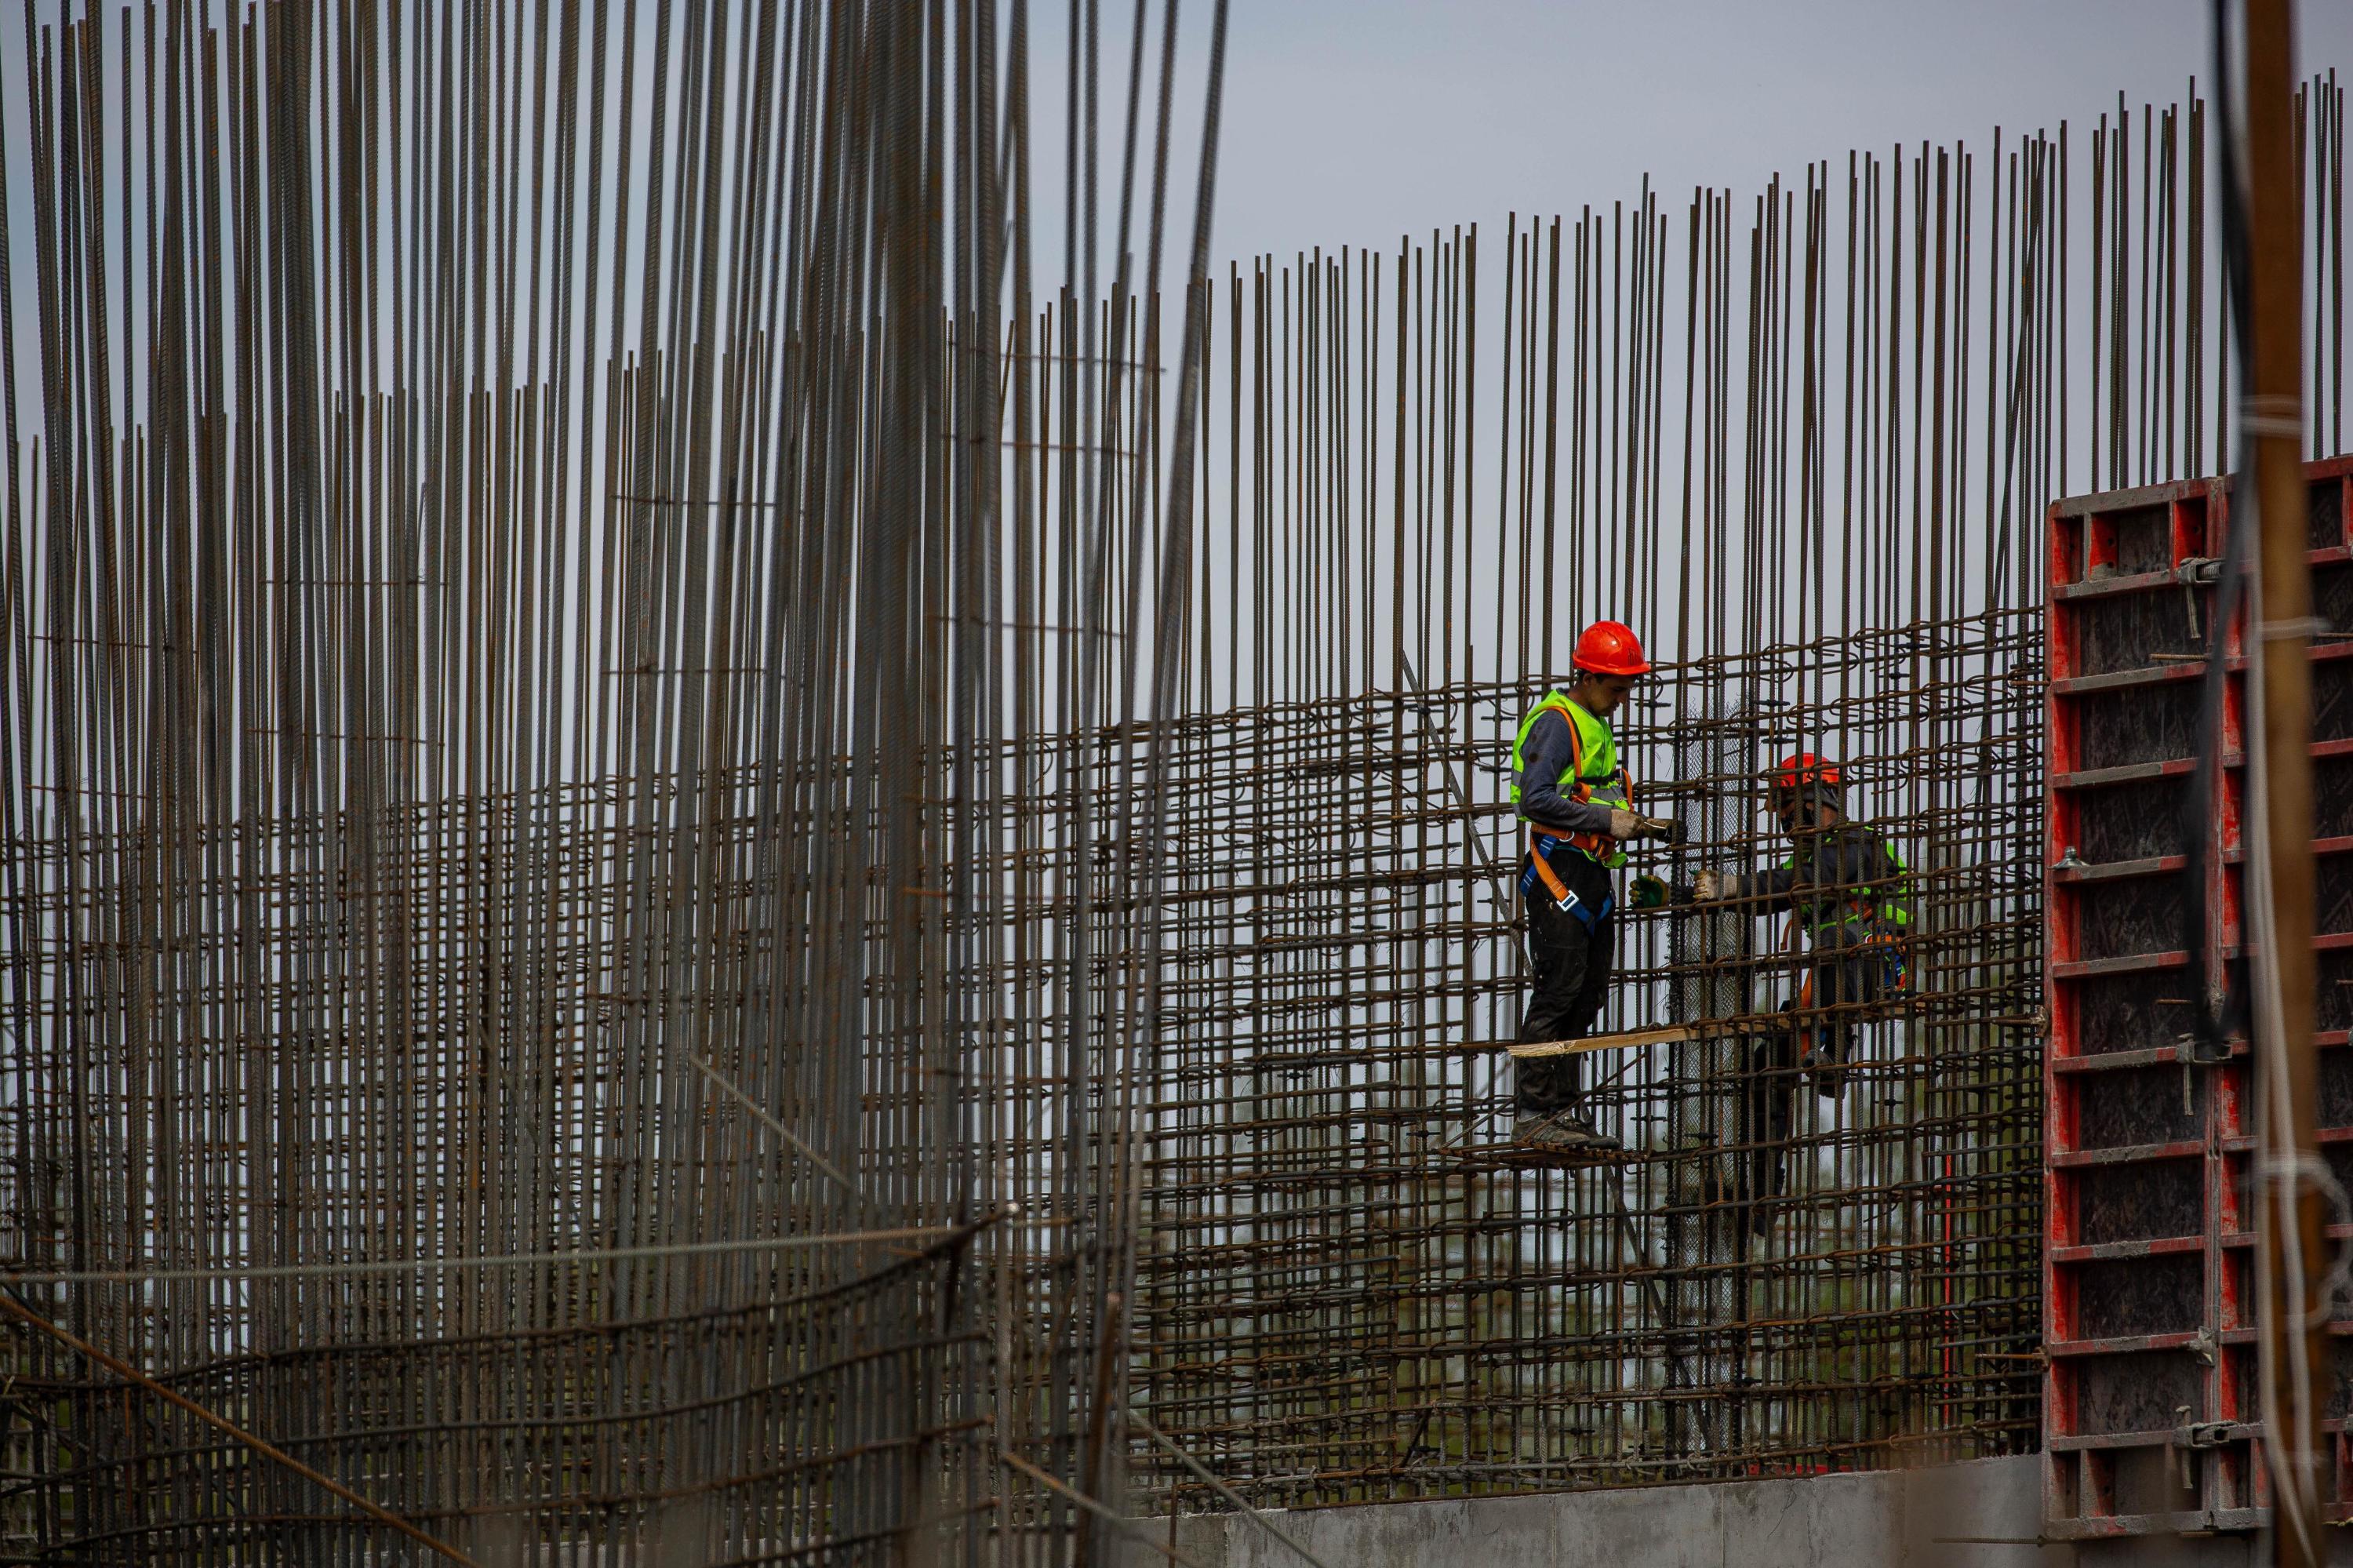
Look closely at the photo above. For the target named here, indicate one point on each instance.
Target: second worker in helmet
(1848, 896)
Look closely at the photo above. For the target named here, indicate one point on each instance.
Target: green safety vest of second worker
(1886, 902)
(1593, 773)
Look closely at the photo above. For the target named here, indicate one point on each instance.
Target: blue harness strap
(1532, 876)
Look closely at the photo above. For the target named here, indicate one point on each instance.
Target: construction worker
(1848, 891)
(1574, 795)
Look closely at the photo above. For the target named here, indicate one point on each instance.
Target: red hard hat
(1803, 768)
(1610, 648)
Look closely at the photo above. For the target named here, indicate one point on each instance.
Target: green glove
(1649, 893)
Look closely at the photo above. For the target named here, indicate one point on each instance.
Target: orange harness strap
(1598, 845)
(1544, 872)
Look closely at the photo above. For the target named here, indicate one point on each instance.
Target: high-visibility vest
(1593, 772)
(1890, 902)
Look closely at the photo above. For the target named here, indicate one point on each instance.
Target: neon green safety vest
(1593, 772)
(1892, 902)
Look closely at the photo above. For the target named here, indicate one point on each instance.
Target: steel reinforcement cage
(1344, 1295)
(1341, 1293)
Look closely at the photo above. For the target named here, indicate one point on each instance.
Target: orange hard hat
(1803, 770)
(1610, 648)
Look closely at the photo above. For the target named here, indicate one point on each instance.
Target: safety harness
(1606, 784)
(1541, 844)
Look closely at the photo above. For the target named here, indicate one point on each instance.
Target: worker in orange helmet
(1572, 792)
(1849, 892)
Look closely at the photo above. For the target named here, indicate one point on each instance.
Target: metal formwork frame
(2151, 1418)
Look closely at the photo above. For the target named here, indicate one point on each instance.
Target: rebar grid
(1349, 1297)
(505, 519)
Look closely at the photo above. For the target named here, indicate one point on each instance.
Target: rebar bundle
(694, 874)
(506, 531)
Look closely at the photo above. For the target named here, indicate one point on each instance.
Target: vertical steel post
(2294, 1298)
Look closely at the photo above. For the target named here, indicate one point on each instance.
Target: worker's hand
(1708, 886)
(1625, 824)
(1649, 893)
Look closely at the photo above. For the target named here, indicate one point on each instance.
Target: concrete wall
(1985, 1514)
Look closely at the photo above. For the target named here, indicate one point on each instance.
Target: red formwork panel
(2150, 1412)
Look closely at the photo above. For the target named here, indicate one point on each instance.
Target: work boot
(1563, 1137)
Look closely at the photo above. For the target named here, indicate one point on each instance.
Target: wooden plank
(1664, 1034)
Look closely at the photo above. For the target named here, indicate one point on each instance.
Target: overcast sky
(1353, 121)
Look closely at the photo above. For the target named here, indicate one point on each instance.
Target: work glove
(1708, 886)
(1625, 824)
(1649, 893)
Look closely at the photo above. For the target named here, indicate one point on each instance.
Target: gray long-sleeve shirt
(1547, 753)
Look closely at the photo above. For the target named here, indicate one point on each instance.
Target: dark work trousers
(1844, 975)
(1847, 974)
(1571, 981)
